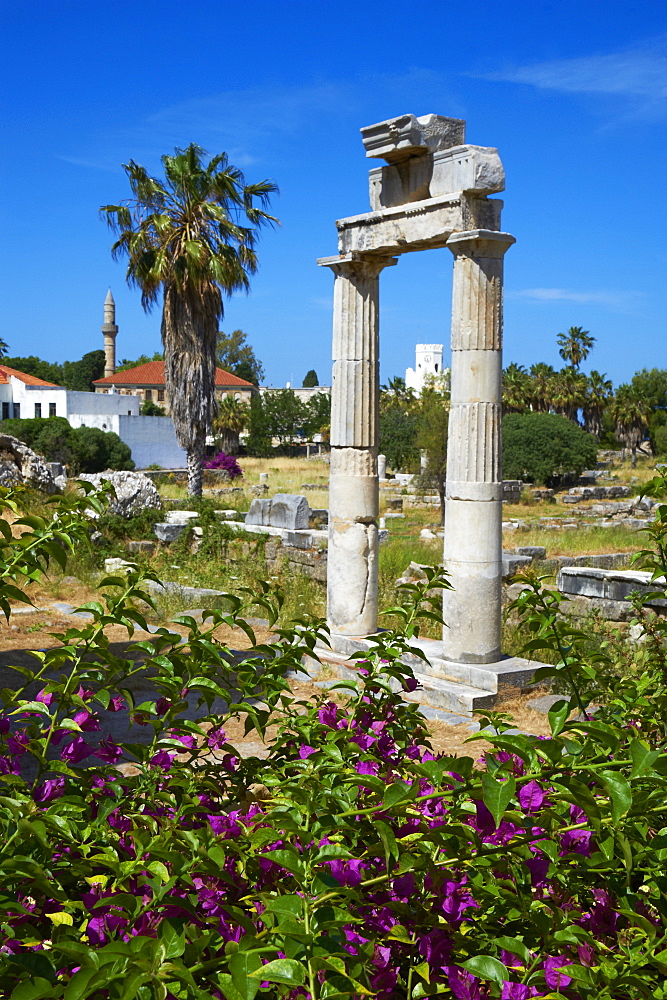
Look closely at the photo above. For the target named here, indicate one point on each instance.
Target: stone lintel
(408, 135)
(357, 257)
(480, 243)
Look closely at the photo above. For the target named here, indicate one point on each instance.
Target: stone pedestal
(473, 513)
(352, 582)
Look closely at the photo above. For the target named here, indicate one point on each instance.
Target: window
(129, 413)
(149, 395)
(17, 411)
(52, 409)
(160, 395)
(5, 411)
(38, 410)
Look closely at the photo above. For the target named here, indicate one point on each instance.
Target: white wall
(152, 440)
(68, 401)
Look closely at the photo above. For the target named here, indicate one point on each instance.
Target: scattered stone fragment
(134, 491)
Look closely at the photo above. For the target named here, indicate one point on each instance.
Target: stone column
(352, 580)
(473, 506)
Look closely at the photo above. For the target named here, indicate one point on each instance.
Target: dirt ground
(32, 628)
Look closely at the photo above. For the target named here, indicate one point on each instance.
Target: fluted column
(473, 506)
(352, 576)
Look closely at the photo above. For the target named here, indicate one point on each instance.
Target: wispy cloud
(638, 75)
(619, 301)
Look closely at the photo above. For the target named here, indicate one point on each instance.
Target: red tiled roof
(152, 374)
(5, 372)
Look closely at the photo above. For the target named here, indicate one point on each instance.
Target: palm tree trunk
(195, 473)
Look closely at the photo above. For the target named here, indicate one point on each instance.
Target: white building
(152, 440)
(428, 362)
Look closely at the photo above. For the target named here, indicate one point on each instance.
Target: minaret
(109, 329)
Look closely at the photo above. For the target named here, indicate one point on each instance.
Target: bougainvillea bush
(224, 462)
(352, 861)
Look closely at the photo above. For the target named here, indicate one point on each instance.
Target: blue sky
(574, 95)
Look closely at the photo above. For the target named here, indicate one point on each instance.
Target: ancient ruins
(432, 193)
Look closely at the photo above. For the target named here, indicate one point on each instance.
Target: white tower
(109, 329)
(428, 361)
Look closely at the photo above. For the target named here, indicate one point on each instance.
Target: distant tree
(4, 348)
(189, 238)
(516, 389)
(310, 379)
(540, 446)
(398, 425)
(79, 375)
(143, 359)
(236, 356)
(599, 393)
(285, 415)
(542, 378)
(575, 345)
(631, 415)
(318, 415)
(32, 365)
(81, 449)
(150, 409)
(431, 438)
(232, 417)
(258, 443)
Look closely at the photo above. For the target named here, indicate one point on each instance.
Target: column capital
(480, 243)
(355, 263)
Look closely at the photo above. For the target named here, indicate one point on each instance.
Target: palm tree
(232, 417)
(517, 385)
(598, 395)
(191, 237)
(542, 382)
(631, 414)
(569, 393)
(575, 345)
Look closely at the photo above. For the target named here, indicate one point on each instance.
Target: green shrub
(351, 861)
(541, 446)
(81, 449)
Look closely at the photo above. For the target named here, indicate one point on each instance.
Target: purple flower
(117, 704)
(305, 751)
(88, 722)
(538, 866)
(7, 767)
(366, 767)
(404, 886)
(577, 842)
(328, 714)
(163, 758)
(76, 750)
(462, 984)
(162, 706)
(456, 898)
(49, 790)
(410, 683)
(216, 738)
(225, 462)
(554, 978)
(436, 948)
(17, 743)
(4, 726)
(517, 991)
(348, 871)
(108, 751)
(531, 796)
(45, 697)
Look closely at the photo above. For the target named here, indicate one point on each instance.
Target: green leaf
(497, 795)
(227, 986)
(34, 989)
(242, 965)
(487, 967)
(282, 970)
(399, 790)
(619, 792)
(388, 839)
(643, 758)
(558, 714)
